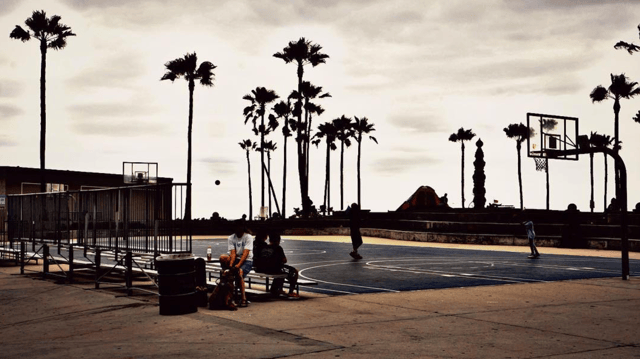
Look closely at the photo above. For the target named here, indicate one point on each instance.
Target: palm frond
(637, 117)
(20, 34)
(631, 48)
(38, 23)
(373, 139)
(205, 73)
(599, 94)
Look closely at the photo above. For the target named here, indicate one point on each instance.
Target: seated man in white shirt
(240, 257)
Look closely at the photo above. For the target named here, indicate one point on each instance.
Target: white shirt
(245, 242)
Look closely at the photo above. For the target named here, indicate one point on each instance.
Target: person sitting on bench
(239, 242)
(279, 267)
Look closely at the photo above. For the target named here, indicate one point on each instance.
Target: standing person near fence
(240, 257)
(528, 225)
(354, 225)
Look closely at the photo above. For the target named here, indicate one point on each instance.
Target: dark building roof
(16, 175)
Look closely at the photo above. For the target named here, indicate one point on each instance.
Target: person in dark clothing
(354, 224)
(280, 259)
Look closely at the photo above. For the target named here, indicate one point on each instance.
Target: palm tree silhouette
(328, 132)
(360, 126)
(302, 53)
(520, 133)
(52, 35)
(631, 48)
(344, 133)
(269, 146)
(249, 146)
(461, 136)
(187, 67)
(283, 110)
(598, 140)
(620, 88)
(259, 98)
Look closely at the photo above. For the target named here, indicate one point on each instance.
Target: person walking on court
(354, 224)
(528, 225)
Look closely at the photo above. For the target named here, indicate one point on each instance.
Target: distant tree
(302, 53)
(461, 136)
(328, 132)
(187, 67)
(631, 48)
(598, 140)
(520, 133)
(259, 98)
(620, 88)
(344, 134)
(479, 177)
(362, 126)
(52, 35)
(249, 146)
(283, 112)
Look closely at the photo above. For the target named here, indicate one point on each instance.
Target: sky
(417, 70)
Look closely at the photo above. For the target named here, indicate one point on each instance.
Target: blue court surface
(389, 268)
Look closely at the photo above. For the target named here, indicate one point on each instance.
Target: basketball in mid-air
(217, 182)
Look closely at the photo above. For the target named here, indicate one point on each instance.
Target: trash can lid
(171, 257)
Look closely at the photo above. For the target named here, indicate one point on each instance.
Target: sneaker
(357, 256)
(532, 256)
(293, 296)
(353, 255)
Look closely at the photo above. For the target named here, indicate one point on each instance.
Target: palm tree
(283, 111)
(620, 88)
(360, 126)
(328, 132)
(302, 53)
(598, 140)
(249, 146)
(187, 67)
(344, 133)
(520, 133)
(259, 98)
(52, 35)
(461, 136)
(592, 139)
(631, 48)
(269, 146)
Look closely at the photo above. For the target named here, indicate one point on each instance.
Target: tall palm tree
(520, 133)
(187, 68)
(328, 132)
(52, 35)
(461, 136)
(259, 98)
(283, 110)
(344, 134)
(269, 146)
(598, 140)
(249, 146)
(360, 126)
(631, 48)
(302, 53)
(620, 88)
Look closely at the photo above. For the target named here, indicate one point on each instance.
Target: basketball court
(409, 266)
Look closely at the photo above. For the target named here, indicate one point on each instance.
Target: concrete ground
(592, 318)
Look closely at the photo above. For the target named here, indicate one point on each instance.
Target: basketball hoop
(541, 163)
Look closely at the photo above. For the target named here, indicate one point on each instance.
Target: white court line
(341, 284)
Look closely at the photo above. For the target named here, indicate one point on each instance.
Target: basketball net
(541, 164)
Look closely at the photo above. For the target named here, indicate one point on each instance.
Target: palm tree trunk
(284, 180)
(606, 178)
(462, 171)
(342, 176)
(250, 194)
(591, 202)
(269, 171)
(187, 209)
(359, 146)
(43, 113)
(547, 173)
(518, 148)
(304, 188)
(262, 156)
(326, 179)
(616, 111)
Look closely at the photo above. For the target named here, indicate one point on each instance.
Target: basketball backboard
(551, 132)
(140, 172)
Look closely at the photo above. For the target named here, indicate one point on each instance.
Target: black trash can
(176, 284)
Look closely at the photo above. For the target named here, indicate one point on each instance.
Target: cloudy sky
(417, 70)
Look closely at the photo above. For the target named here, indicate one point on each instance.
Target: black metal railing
(145, 219)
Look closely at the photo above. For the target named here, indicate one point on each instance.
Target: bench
(214, 270)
